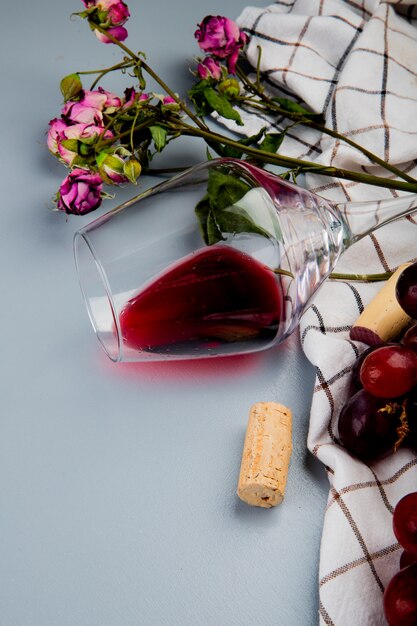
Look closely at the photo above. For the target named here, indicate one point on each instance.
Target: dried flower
(222, 38)
(80, 192)
(118, 32)
(75, 141)
(105, 138)
(209, 68)
(107, 15)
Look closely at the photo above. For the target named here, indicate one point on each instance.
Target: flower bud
(110, 167)
(209, 68)
(118, 32)
(229, 88)
(132, 170)
(169, 104)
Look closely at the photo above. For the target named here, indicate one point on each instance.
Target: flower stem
(149, 70)
(310, 166)
(269, 105)
(364, 278)
(101, 72)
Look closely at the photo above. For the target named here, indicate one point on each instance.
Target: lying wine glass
(221, 259)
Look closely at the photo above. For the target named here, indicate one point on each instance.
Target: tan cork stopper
(382, 319)
(266, 455)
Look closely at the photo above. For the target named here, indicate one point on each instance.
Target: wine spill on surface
(214, 297)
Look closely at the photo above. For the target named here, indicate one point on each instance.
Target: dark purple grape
(406, 290)
(404, 522)
(400, 598)
(410, 338)
(368, 426)
(407, 558)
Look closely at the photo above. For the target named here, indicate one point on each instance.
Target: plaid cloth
(355, 61)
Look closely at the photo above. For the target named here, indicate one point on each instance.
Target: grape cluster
(381, 412)
(400, 596)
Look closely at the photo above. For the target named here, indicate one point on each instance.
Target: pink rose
(56, 126)
(80, 192)
(118, 14)
(79, 133)
(221, 37)
(130, 97)
(209, 68)
(118, 32)
(112, 101)
(95, 99)
(79, 113)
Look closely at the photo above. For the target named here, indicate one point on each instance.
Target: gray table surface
(117, 482)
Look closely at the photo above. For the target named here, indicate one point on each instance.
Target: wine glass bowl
(221, 259)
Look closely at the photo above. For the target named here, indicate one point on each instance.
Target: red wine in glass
(211, 299)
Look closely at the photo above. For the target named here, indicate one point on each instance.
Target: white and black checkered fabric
(356, 62)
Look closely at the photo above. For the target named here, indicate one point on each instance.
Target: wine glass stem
(362, 218)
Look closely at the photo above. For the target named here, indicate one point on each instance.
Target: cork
(383, 319)
(266, 455)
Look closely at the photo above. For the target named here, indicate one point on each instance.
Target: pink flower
(221, 37)
(118, 14)
(78, 133)
(95, 99)
(168, 100)
(116, 11)
(118, 32)
(56, 126)
(131, 96)
(112, 101)
(209, 68)
(80, 113)
(144, 97)
(80, 192)
(90, 109)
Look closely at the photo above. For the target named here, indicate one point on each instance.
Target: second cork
(266, 455)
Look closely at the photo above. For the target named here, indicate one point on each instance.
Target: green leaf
(293, 107)
(218, 213)
(71, 87)
(225, 189)
(202, 211)
(214, 234)
(221, 105)
(253, 139)
(196, 95)
(272, 142)
(159, 136)
(70, 144)
(235, 221)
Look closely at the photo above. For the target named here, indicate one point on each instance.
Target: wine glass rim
(115, 356)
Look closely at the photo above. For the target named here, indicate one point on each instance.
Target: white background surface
(117, 482)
